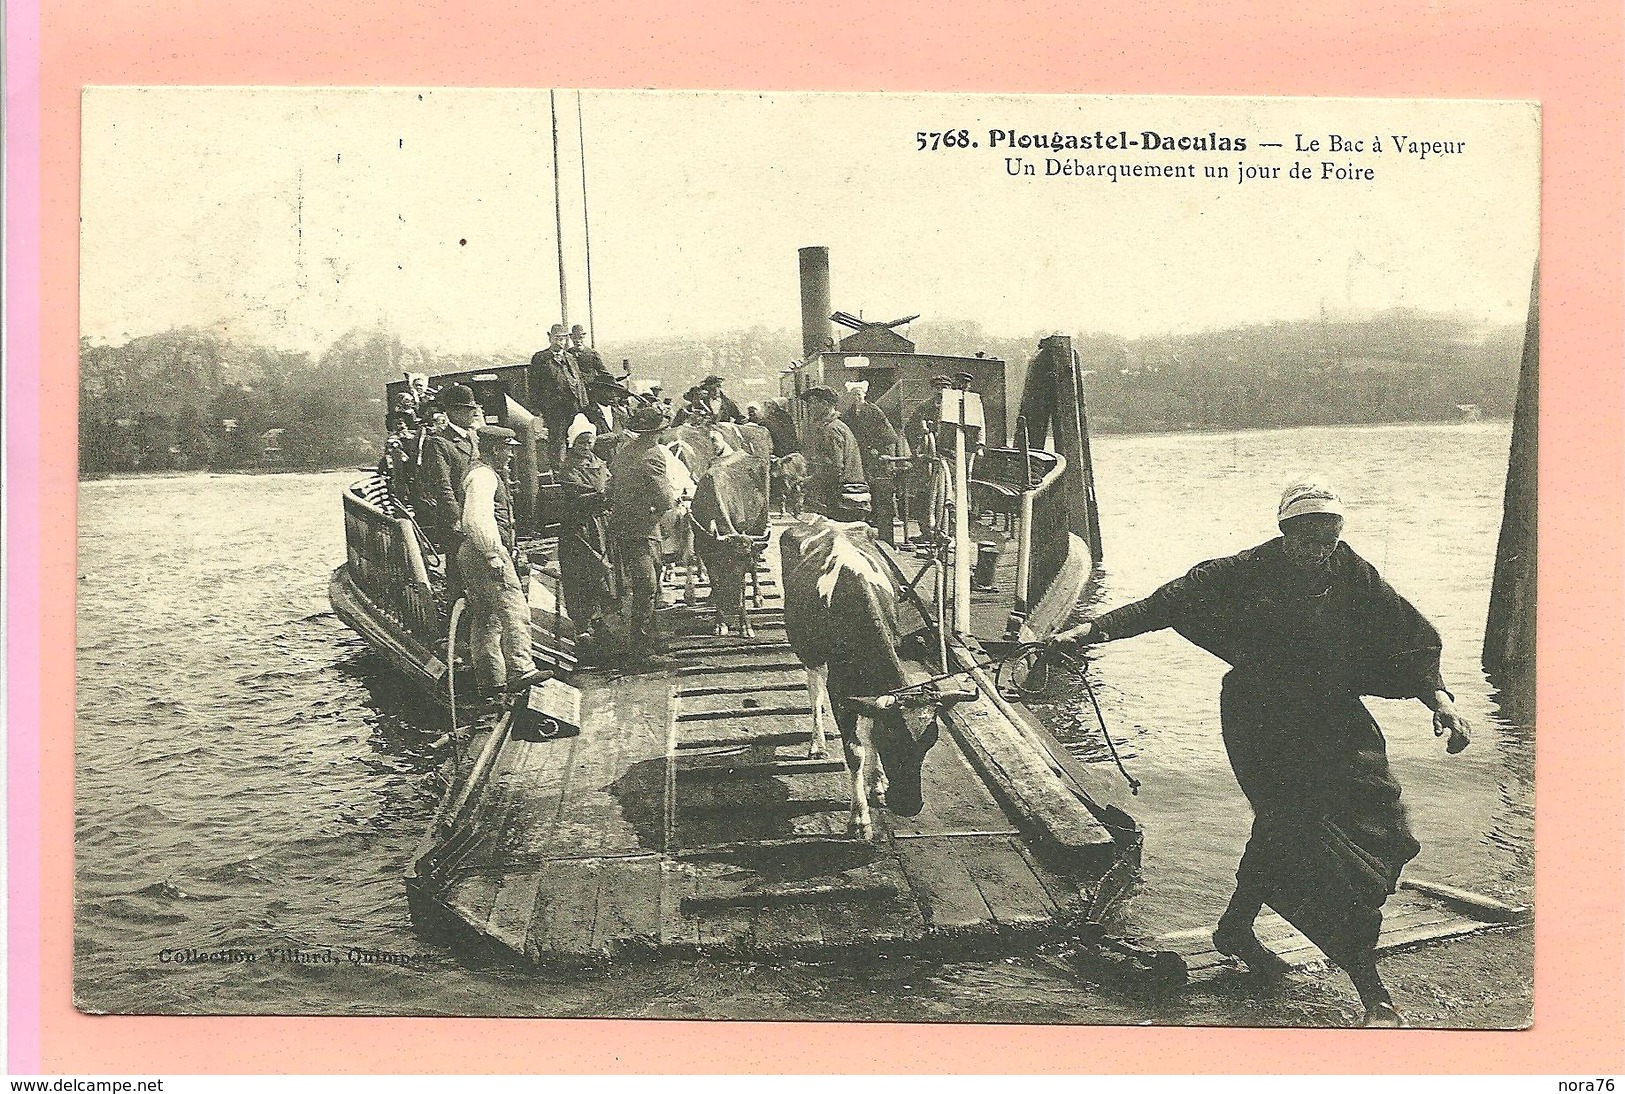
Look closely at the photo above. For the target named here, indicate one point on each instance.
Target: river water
(246, 775)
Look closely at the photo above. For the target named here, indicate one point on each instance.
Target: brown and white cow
(840, 615)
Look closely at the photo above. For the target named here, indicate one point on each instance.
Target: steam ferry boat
(623, 810)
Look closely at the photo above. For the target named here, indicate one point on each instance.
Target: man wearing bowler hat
(558, 392)
(588, 362)
(499, 622)
(447, 453)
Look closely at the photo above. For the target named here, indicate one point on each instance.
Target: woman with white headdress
(1308, 627)
(583, 528)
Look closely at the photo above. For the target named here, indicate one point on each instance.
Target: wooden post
(962, 552)
(1509, 633)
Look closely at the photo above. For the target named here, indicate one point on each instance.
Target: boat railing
(1027, 486)
(385, 561)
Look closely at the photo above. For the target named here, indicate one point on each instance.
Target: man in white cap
(499, 616)
(1308, 627)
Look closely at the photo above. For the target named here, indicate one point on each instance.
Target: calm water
(246, 776)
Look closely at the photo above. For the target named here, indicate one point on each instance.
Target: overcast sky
(292, 215)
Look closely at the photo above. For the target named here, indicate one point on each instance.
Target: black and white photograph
(806, 556)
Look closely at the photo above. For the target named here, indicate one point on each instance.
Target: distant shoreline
(1096, 434)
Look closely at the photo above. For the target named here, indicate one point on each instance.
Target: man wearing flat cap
(499, 621)
(447, 453)
(558, 391)
(641, 493)
(834, 459)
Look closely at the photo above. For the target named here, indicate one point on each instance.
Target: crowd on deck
(611, 488)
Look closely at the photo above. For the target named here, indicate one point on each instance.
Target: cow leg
(818, 699)
(861, 822)
(688, 569)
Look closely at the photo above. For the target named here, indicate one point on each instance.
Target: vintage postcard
(769, 556)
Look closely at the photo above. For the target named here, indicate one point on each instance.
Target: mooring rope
(1038, 651)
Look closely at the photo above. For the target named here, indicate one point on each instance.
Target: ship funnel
(816, 333)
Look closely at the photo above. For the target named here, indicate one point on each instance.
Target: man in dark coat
(925, 479)
(608, 415)
(835, 478)
(641, 493)
(447, 453)
(879, 443)
(558, 392)
(1308, 627)
(588, 362)
(712, 397)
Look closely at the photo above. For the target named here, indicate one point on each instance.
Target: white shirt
(480, 511)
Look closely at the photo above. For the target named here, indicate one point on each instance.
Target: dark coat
(558, 391)
(584, 536)
(1330, 834)
(833, 459)
(640, 489)
(446, 456)
(876, 438)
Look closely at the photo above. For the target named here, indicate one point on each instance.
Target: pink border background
(1567, 55)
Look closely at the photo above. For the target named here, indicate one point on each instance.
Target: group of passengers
(449, 472)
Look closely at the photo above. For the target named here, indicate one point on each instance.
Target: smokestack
(816, 333)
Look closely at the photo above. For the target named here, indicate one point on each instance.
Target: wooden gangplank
(1420, 912)
(688, 816)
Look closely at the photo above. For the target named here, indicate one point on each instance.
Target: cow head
(905, 727)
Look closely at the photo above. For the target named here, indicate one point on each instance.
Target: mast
(586, 223)
(558, 212)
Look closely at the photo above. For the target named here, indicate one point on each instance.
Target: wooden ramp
(1420, 912)
(689, 816)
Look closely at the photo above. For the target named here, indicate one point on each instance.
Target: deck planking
(687, 815)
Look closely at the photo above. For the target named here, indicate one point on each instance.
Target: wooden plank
(770, 740)
(690, 695)
(704, 766)
(956, 799)
(1023, 775)
(566, 907)
(737, 711)
(949, 898)
(741, 665)
(879, 880)
(725, 927)
(624, 725)
(509, 921)
(787, 927)
(1013, 894)
(676, 928)
(629, 908)
(471, 898)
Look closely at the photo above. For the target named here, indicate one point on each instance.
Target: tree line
(192, 399)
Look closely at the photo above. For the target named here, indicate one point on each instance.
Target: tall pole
(558, 212)
(962, 559)
(586, 224)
